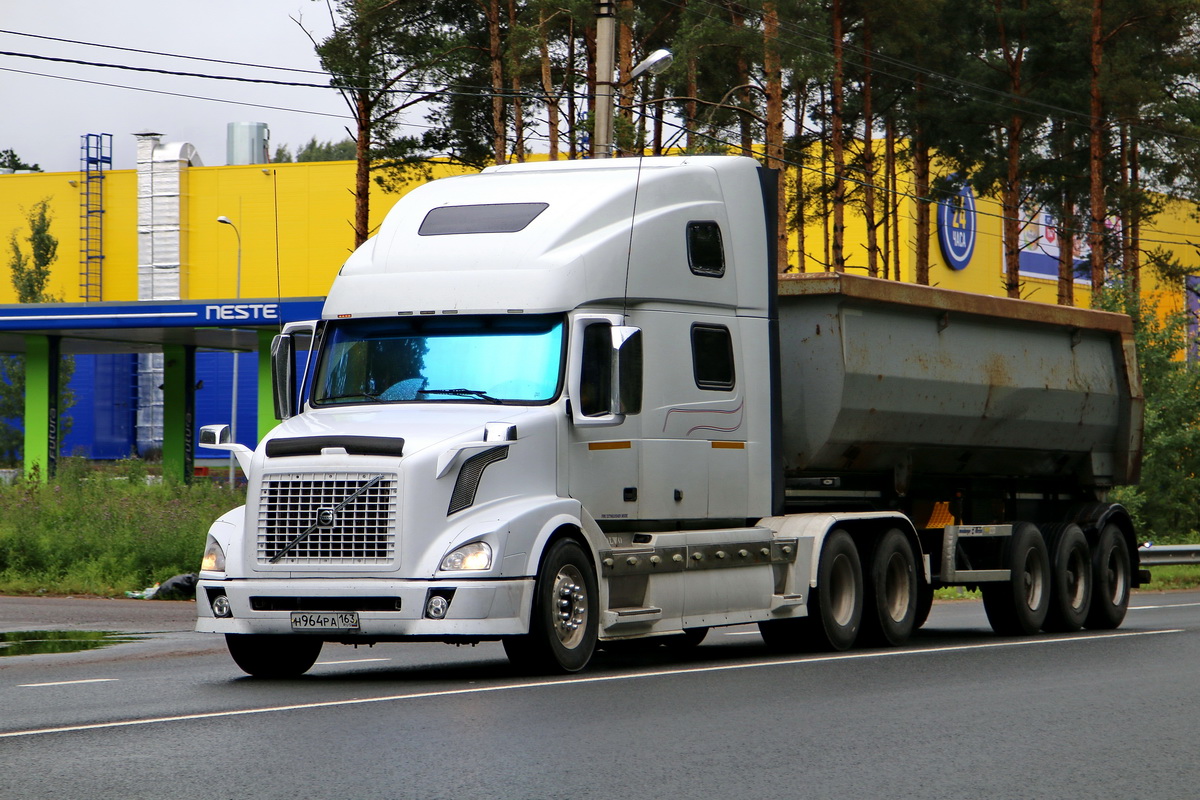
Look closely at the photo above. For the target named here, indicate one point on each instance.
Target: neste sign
(956, 226)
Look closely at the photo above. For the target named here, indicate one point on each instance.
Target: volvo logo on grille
(326, 517)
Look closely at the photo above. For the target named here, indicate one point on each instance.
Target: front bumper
(478, 609)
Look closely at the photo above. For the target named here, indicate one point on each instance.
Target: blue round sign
(956, 227)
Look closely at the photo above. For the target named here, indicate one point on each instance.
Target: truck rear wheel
(890, 611)
(835, 607)
(1070, 578)
(564, 622)
(1018, 606)
(1111, 576)
(273, 656)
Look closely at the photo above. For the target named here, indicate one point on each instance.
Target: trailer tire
(273, 655)
(1070, 578)
(890, 610)
(564, 620)
(1018, 606)
(1111, 580)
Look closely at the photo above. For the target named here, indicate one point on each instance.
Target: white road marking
(624, 676)
(66, 683)
(1168, 605)
(351, 661)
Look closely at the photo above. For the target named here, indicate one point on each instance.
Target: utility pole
(606, 40)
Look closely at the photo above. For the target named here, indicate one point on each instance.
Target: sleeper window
(712, 357)
(706, 253)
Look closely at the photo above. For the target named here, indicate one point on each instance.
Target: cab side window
(712, 357)
(706, 253)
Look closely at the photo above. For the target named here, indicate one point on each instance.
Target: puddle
(27, 643)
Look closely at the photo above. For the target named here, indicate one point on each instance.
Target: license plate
(324, 620)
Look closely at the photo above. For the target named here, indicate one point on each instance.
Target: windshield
(490, 359)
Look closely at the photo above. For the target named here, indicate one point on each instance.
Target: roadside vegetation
(107, 529)
(103, 530)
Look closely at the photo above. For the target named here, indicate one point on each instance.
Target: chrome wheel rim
(570, 607)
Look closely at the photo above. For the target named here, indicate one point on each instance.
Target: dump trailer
(571, 405)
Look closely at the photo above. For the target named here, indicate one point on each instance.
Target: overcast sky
(44, 114)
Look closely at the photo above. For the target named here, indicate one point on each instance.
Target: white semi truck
(567, 405)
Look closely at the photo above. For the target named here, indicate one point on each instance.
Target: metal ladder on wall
(95, 156)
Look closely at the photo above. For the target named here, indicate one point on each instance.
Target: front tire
(565, 617)
(1111, 580)
(1018, 607)
(273, 655)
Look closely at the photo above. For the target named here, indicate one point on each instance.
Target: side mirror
(606, 370)
(214, 434)
(283, 375)
(218, 437)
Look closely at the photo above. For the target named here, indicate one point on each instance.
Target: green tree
(380, 54)
(10, 160)
(327, 151)
(1164, 501)
(30, 276)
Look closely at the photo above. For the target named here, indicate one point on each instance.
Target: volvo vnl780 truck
(565, 405)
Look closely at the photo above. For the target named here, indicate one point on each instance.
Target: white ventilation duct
(161, 184)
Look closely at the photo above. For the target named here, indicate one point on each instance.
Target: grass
(103, 531)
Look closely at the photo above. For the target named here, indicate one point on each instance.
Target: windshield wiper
(462, 393)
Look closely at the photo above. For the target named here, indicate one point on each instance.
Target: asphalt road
(959, 712)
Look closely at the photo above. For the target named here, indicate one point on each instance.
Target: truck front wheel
(1111, 580)
(1018, 607)
(564, 621)
(273, 656)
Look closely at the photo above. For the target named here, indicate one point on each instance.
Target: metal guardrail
(1169, 554)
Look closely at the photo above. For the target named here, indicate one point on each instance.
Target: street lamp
(224, 220)
(656, 62)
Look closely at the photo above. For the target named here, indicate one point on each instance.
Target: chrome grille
(358, 531)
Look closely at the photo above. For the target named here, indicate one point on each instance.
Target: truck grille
(358, 531)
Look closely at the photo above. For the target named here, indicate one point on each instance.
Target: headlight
(214, 557)
(476, 555)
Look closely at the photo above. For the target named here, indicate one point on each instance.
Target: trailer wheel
(1018, 606)
(563, 624)
(1111, 575)
(1070, 578)
(890, 611)
(273, 655)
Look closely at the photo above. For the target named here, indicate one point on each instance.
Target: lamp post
(224, 220)
(606, 33)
